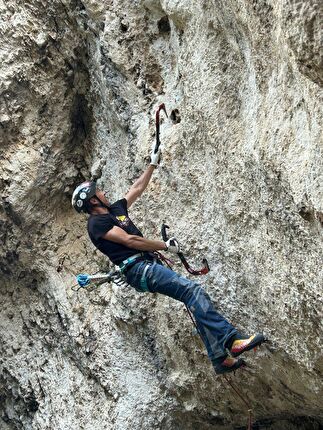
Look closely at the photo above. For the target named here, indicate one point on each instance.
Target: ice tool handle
(160, 108)
(185, 263)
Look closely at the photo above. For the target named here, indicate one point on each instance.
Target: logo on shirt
(123, 220)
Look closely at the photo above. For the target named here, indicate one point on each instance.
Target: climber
(115, 235)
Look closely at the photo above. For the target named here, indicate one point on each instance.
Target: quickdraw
(160, 108)
(84, 280)
(190, 270)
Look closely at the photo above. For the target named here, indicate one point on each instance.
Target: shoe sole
(241, 364)
(257, 341)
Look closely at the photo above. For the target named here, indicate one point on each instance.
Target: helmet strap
(102, 205)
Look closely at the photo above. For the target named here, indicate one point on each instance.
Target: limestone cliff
(240, 181)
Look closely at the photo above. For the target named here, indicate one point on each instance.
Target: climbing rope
(242, 396)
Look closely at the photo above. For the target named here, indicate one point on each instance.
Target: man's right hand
(172, 245)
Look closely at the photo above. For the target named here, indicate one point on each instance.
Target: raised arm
(139, 185)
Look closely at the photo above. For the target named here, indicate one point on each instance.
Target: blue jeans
(215, 331)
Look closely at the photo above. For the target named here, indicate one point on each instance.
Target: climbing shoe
(242, 345)
(230, 364)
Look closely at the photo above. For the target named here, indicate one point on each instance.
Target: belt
(129, 262)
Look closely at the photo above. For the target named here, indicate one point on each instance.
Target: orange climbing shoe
(242, 345)
(230, 364)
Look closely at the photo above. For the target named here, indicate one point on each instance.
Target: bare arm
(139, 186)
(116, 234)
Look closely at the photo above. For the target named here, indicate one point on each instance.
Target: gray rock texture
(240, 181)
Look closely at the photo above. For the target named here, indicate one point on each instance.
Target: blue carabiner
(83, 279)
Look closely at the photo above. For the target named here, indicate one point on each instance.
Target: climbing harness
(160, 108)
(126, 264)
(134, 259)
(142, 256)
(185, 263)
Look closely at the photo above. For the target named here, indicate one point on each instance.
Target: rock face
(240, 182)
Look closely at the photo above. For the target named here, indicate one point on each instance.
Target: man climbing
(115, 235)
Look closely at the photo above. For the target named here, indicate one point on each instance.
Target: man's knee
(193, 290)
(199, 299)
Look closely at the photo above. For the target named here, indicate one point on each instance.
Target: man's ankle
(236, 336)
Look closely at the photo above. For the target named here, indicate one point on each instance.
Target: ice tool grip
(163, 232)
(206, 268)
(161, 107)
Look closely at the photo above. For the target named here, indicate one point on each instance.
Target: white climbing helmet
(82, 195)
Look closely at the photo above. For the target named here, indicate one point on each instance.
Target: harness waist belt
(126, 264)
(131, 259)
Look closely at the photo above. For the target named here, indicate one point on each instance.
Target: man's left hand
(172, 245)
